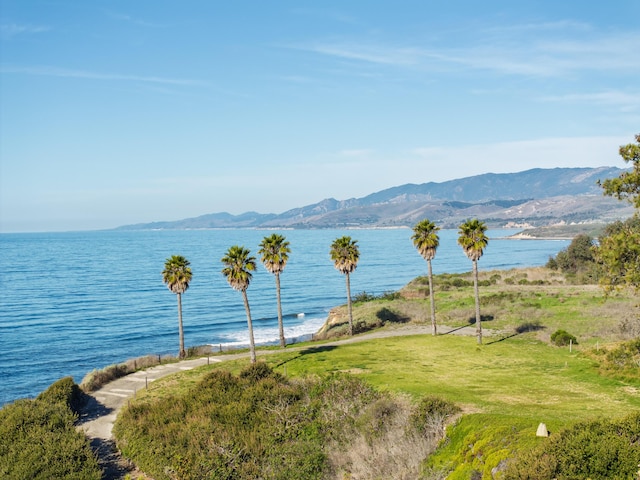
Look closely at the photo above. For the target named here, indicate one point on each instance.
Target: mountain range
(532, 198)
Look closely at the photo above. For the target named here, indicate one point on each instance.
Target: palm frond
(345, 254)
(238, 265)
(274, 251)
(177, 274)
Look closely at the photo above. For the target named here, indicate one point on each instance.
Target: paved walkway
(99, 414)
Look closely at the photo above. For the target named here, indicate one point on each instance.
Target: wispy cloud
(368, 53)
(299, 79)
(133, 20)
(12, 29)
(69, 73)
(558, 25)
(614, 98)
(556, 54)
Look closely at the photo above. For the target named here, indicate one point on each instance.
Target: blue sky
(117, 112)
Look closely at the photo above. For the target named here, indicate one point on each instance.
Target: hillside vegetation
(504, 389)
(38, 439)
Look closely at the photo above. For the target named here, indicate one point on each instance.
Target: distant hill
(533, 198)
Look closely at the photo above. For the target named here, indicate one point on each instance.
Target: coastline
(59, 322)
(527, 236)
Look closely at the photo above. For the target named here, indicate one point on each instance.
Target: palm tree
(177, 275)
(426, 240)
(238, 267)
(473, 241)
(275, 254)
(345, 254)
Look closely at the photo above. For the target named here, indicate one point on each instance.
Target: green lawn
(517, 377)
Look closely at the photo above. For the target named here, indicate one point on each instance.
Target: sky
(119, 112)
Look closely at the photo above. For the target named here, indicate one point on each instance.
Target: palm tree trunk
(252, 346)
(283, 341)
(349, 305)
(182, 353)
(475, 288)
(433, 301)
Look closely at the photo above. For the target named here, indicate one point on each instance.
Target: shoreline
(526, 236)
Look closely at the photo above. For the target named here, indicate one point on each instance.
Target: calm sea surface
(74, 302)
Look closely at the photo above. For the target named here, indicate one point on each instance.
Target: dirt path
(100, 412)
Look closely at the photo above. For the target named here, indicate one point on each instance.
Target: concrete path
(100, 412)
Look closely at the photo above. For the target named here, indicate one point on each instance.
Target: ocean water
(74, 302)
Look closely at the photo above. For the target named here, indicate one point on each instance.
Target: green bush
(561, 338)
(363, 297)
(38, 439)
(500, 298)
(260, 424)
(596, 450)
(432, 408)
(258, 371)
(97, 378)
(621, 361)
(460, 283)
(66, 392)
(376, 417)
(236, 427)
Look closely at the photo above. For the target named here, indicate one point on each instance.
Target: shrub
(362, 326)
(95, 379)
(198, 351)
(66, 392)
(258, 371)
(577, 261)
(261, 425)
(391, 295)
(561, 338)
(363, 297)
(432, 412)
(38, 439)
(377, 417)
(622, 361)
(248, 426)
(460, 283)
(629, 327)
(598, 450)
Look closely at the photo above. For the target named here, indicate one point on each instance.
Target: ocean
(78, 301)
